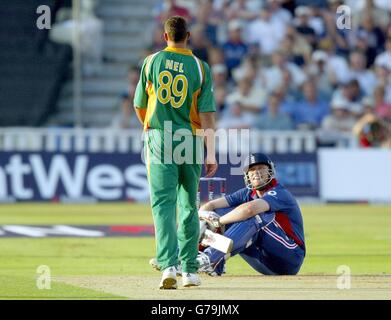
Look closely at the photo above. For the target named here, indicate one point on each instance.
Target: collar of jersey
(271, 185)
(179, 50)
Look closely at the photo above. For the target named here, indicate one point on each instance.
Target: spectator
(384, 59)
(371, 131)
(289, 5)
(368, 105)
(383, 79)
(219, 74)
(361, 8)
(317, 71)
(280, 70)
(221, 6)
(382, 75)
(341, 120)
(158, 42)
(316, 20)
(235, 118)
(251, 99)
(90, 29)
(255, 47)
(215, 16)
(216, 56)
(208, 18)
(291, 90)
(280, 14)
(171, 8)
(316, 3)
(309, 112)
(274, 118)
(266, 33)
(220, 94)
(234, 49)
(382, 108)
(288, 98)
(126, 118)
(339, 36)
(297, 47)
(384, 5)
(351, 93)
(369, 39)
(242, 9)
(336, 66)
(303, 26)
(198, 43)
(365, 77)
(251, 68)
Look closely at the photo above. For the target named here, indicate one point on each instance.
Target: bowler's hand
(210, 167)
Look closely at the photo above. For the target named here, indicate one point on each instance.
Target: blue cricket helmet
(255, 159)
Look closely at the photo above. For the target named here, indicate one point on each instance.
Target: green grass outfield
(358, 236)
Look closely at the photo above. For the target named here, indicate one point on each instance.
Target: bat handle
(203, 227)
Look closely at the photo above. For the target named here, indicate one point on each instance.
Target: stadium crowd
(293, 64)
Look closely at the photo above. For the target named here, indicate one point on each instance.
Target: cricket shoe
(190, 280)
(168, 279)
(153, 263)
(205, 265)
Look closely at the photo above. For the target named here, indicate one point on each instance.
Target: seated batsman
(263, 220)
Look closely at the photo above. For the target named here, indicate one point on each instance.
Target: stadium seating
(31, 67)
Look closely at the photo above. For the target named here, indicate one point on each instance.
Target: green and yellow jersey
(174, 86)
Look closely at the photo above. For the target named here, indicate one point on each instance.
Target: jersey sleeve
(206, 101)
(278, 200)
(237, 198)
(141, 97)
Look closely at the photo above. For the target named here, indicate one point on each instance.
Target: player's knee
(290, 270)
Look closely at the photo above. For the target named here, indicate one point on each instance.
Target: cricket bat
(217, 241)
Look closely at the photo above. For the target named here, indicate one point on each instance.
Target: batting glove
(212, 220)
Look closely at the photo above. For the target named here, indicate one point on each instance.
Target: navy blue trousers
(262, 244)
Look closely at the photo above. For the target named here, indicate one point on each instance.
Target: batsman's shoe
(153, 263)
(205, 265)
(190, 280)
(168, 279)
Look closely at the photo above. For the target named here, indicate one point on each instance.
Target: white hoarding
(355, 174)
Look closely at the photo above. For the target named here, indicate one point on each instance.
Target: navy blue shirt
(282, 204)
(234, 53)
(305, 112)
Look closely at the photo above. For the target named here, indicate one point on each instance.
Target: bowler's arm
(206, 110)
(207, 120)
(208, 125)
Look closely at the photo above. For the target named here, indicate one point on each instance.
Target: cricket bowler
(173, 101)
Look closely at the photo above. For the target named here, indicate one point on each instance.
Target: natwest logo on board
(46, 176)
(74, 177)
